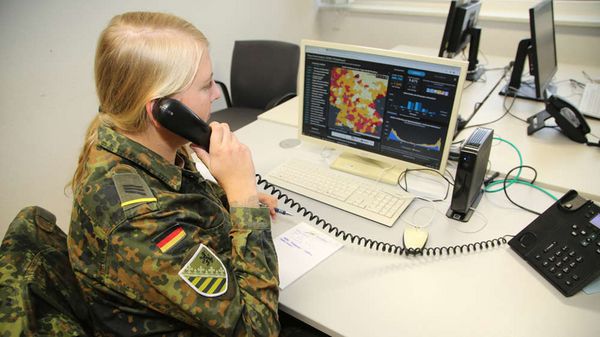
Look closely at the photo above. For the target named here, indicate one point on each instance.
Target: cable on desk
(593, 144)
(589, 78)
(506, 112)
(487, 188)
(463, 123)
(404, 175)
(530, 184)
(516, 179)
(506, 182)
(374, 244)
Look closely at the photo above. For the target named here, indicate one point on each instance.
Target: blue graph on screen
(415, 106)
(436, 146)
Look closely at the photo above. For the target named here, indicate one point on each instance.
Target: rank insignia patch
(205, 273)
(132, 190)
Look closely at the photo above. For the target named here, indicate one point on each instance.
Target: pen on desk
(280, 211)
(277, 210)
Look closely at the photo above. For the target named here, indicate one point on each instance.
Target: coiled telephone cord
(374, 244)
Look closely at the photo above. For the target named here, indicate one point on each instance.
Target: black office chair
(263, 75)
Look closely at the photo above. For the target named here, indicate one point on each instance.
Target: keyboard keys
(370, 199)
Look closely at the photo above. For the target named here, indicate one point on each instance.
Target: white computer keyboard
(590, 100)
(373, 200)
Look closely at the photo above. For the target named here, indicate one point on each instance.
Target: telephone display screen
(596, 221)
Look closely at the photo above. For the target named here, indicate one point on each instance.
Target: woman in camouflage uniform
(156, 248)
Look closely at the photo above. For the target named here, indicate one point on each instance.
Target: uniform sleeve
(185, 281)
(254, 262)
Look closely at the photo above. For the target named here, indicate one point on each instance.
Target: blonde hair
(140, 56)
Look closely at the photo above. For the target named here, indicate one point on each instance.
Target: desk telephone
(179, 119)
(567, 117)
(563, 244)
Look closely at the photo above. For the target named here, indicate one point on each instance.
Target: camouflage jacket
(156, 250)
(39, 295)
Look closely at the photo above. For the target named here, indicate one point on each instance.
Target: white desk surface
(561, 163)
(360, 292)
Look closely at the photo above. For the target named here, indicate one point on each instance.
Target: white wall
(47, 94)
(47, 47)
(576, 45)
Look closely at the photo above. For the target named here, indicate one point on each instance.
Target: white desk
(359, 292)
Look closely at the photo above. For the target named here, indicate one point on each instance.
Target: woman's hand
(230, 162)
(269, 201)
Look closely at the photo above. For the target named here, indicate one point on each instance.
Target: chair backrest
(39, 295)
(261, 71)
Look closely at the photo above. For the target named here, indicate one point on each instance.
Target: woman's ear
(149, 107)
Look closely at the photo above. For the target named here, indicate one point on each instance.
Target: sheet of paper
(593, 287)
(300, 249)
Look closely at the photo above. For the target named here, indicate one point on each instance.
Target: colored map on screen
(359, 98)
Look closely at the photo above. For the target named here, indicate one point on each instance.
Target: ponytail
(91, 137)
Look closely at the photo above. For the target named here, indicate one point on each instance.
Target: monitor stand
(527, 91)
(367, 167)
(474, 70)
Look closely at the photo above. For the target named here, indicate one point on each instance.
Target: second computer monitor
(380, 105)
(540, 49)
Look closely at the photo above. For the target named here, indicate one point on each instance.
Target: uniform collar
(147, 159)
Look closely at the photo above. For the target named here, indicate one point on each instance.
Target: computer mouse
(414, 237)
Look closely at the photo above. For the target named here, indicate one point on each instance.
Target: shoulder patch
(132, 190)
(205, 273)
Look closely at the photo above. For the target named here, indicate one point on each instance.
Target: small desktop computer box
(472, 165)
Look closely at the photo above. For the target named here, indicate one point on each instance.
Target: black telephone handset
(179, 119)
(567, 117)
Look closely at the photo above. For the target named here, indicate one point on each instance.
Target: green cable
(537, 188)
(516, 179)
(511, 181)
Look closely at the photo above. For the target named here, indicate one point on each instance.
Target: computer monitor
(461, 30)
(540, 49)
(384, 109)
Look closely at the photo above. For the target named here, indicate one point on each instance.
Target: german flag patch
(205, 273)
(171, 239)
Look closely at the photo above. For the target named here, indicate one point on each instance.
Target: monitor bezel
(540, 88)
(462, 65)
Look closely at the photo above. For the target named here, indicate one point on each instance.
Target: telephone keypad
(561, 260)
(561, 267)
